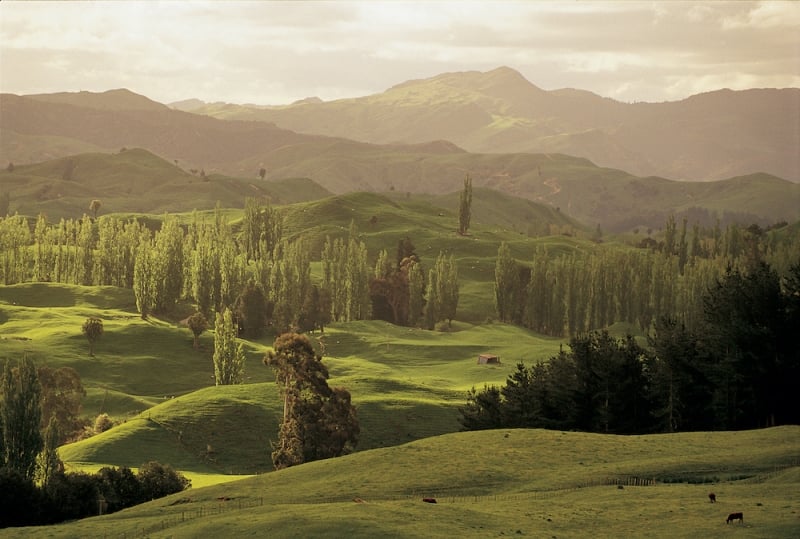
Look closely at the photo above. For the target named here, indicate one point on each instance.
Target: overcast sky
(278, 52)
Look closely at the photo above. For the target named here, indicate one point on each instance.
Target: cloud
(276, 52)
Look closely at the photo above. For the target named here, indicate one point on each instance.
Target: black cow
(712, 497)
(429, 500)
(735, 516)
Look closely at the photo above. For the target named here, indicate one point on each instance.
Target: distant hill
(135, 180)
(36, 129)
(710, 136)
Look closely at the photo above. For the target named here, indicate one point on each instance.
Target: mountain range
(426, 136)
(710, 136)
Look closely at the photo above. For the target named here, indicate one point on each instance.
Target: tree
(48, 462)
(483, 409)
(197, 324)
(318, 422)
(94, 207)
(62, 393)
(92, 328)
(158, 480)
(121, 488)
(21, 416)
(506, 283)
(229, 355)
(251, 310)
(465, 207)
(144, 278)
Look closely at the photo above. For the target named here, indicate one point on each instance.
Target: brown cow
(712, 497)
(735, 516)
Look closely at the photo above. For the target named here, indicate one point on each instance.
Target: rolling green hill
(529, 483)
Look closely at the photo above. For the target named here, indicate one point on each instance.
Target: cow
(712, 498)
(429, 500)
(735, 516)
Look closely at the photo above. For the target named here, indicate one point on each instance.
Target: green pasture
(406, 383)
(530, 483)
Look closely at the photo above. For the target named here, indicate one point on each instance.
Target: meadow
(531, 483)
(407, 385)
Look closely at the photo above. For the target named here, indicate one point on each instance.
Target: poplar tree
(20, 416)
(145, 279)
(465, 207)
(506, 287)
(229, 354)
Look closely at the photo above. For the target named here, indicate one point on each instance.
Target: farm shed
(488, 359)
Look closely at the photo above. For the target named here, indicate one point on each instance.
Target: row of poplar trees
(209, 263)
(571, 291)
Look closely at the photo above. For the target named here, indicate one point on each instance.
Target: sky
(278, 52)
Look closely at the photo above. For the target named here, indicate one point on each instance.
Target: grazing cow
(735, 516)
(712, 498)
(429, 500)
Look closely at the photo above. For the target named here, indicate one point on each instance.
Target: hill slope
(494, 483)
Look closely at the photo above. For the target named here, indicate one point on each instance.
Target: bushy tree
(158, 480)
(197, 324)
(120, 487)
(92, 328)
(318, 422)
(62, 396)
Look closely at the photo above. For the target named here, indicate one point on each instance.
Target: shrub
(158, 480)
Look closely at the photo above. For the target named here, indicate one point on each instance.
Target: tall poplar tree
(20, 416)
(229, 355)
(465, 207)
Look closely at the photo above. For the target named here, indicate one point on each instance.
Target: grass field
(531, 483)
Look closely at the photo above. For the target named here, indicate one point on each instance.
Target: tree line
(737, 370)
(573, 292)
(263, 277)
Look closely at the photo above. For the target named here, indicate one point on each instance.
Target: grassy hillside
(495, 483)
(134, 180)
(407, 384)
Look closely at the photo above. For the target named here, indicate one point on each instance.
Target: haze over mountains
(425, 136)
(710, 136)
